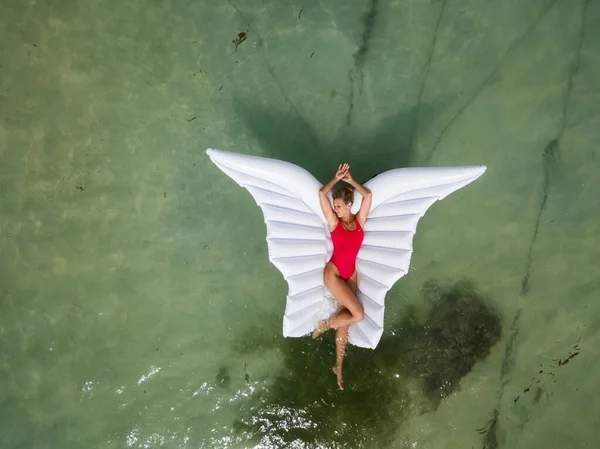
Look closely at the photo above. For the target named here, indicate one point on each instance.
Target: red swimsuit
(345, 248)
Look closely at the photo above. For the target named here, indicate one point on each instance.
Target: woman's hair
(346, 193)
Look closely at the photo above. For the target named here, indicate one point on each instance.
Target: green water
(138, 307)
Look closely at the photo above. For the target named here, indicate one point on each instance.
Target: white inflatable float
(299, 243)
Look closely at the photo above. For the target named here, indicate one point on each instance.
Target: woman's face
(340, 208)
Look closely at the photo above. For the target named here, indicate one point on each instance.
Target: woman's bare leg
(341, 339)
(353, 311)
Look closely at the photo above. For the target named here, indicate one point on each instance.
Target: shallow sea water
(138, 307)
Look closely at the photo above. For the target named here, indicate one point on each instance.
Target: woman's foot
(338, 372)
(322, 326)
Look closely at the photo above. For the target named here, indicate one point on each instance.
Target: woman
(340, 272)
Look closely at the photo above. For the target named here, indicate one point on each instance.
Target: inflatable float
(299, 243)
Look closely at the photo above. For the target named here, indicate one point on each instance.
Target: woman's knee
(359, 314)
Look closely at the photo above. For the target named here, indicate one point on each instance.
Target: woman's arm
(327, 187)
(365, 206)
(325, 204)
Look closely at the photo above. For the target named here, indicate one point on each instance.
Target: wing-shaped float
(299, 243)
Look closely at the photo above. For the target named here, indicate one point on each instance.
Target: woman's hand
(347, 177)
(342, 171)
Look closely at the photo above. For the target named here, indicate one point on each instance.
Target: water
(138, 307)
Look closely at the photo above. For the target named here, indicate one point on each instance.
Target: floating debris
(241, 37)
(559, 362)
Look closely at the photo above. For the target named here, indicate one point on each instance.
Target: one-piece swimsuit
(345, 248)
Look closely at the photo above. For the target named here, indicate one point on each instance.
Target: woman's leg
(352, 310)
(341, 339)
(341, 291)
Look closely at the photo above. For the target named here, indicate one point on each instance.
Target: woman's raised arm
(330, 216)
(365, 206)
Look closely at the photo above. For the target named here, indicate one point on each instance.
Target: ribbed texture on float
(299, 243)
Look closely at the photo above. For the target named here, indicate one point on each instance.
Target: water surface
(138, 307)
